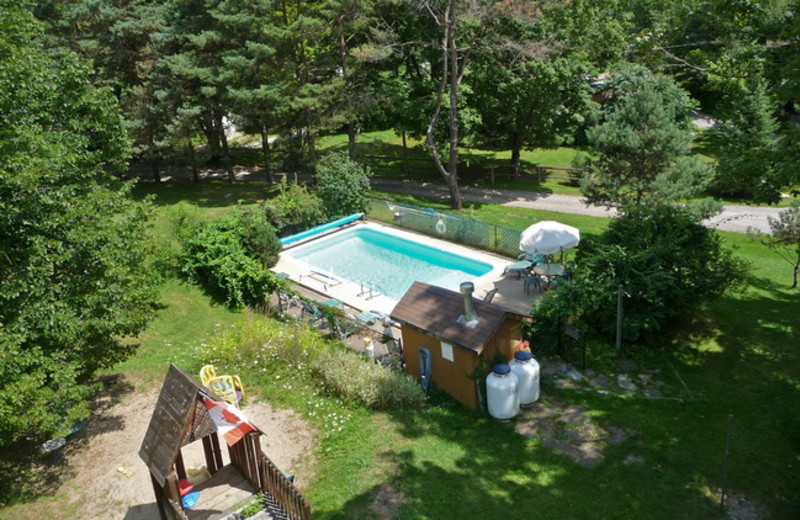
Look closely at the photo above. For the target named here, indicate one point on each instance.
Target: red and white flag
(230, 421)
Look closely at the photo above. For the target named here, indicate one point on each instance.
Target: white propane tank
(501, 393)
(527, 370)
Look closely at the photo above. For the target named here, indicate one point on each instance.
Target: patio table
(549, 271)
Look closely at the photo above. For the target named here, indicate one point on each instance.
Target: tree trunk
(796, 272)
(348, 102)
(154, 169)
(452, 182)
(449, 72)
(226, 156)
(212, 137)
(351, 140)
(267, 153)
(516, 146)
(405, 155)
(312, 145)
(192, 157)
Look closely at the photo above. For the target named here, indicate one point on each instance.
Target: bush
(259, 238)
(350, 376)
(296, 207)
(342, 185)
(223, 257)
(668, 263)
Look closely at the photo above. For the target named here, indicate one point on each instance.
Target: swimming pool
(388, 264)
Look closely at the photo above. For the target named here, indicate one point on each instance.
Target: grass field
(742, 372)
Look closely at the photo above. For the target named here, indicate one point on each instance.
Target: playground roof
(180, 418)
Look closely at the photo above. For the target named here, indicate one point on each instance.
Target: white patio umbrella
(548, 237)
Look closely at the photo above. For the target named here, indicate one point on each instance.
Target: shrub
(350, 376)
(217, 254)
(342, 185)
(295, 207)
(668, 263)
(259, 238)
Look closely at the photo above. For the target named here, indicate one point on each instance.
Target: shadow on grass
(28, 473)
(750, 379)
(206, 193)
(460, 464)
(449, 462)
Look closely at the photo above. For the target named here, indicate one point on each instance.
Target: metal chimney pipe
(467, 289)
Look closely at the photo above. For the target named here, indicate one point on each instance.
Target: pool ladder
(370, 288)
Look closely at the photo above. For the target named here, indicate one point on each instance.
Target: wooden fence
(491, 172)
(266, 477)
(283, 491)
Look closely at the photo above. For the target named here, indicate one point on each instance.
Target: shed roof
(435, 311)
(179, 418)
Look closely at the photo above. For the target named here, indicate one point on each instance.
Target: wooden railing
(265, 476)
(283, 491)
(177, 510)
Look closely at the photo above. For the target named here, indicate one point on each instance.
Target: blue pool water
(390, 263)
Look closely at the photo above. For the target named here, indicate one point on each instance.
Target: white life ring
(441, 227)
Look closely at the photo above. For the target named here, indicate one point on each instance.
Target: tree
(527, 104)
(642, 144)
(76, 265)
(342, 185)
(669, 264)
(748, 165)
(785, 237)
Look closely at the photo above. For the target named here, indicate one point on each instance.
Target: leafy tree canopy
(342, 185)
(785, 238)
(642, 144)
(668, 263)
(74, 268)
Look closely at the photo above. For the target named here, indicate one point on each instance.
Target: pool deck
(510, 289)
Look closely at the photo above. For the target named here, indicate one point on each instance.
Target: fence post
(491, 171)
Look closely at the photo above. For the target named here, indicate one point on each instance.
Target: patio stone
(652, 392)
(626, 384)
(574, 375)
(565, 383)
(633, 459)
(600, 381)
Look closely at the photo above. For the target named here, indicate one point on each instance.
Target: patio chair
(569, 268)
(207, 373)
(348, 326)
(533, 280)
(287, 301)
(521, 266)
(490, 295)
(314, 312)
(224, 388)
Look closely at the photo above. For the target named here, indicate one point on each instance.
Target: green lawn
(743, 369)
(448, 461)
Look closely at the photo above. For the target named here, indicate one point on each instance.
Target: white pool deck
(510, 291)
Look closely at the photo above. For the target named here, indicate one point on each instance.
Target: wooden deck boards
(220, 495)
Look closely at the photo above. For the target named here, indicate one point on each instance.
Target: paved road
(733, 217)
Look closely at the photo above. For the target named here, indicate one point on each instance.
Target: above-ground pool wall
(454, 377)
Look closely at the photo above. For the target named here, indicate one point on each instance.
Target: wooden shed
(433, 318)
(187, 412)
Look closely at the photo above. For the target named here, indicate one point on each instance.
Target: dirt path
(102, 488)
